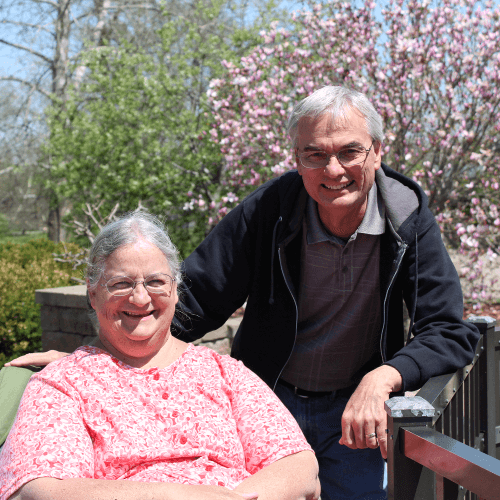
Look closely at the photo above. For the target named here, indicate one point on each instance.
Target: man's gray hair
(129, 229)
(336, 101)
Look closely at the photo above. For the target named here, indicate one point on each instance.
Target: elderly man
(324, 257)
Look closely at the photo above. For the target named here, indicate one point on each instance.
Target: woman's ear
(90, 295)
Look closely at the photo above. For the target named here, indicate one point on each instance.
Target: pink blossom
(433, 77)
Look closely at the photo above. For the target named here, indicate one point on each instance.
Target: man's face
(339, 191)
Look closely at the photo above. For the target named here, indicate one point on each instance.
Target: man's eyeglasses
(155, 283)
(347, 157)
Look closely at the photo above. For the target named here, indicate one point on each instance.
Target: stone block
(75, 321)
(222, 346)
(232, 324)
(61, 341)
(49, 318)
(220, 333)
(87, 340)
(65, 296)
(227, 330)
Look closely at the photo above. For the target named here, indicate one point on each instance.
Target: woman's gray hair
(129, 229)
(336, 101)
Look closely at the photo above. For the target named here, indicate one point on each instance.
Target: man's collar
(373, 221)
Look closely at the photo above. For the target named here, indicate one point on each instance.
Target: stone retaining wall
(66, 324)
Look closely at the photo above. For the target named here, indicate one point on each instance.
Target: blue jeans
(343, 473)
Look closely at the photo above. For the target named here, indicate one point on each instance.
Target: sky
(9, 63)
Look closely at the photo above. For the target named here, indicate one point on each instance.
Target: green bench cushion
(13, 381)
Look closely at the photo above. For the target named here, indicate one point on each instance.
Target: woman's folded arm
(48, 488)
(294, 477)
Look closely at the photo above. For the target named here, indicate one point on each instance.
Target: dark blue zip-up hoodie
(253, 255)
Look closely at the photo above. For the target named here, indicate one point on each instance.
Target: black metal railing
(444, 441)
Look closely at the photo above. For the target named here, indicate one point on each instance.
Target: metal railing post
(441, 428)
(489, 383)
(407, 480)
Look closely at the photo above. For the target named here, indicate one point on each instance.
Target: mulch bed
(492, 310)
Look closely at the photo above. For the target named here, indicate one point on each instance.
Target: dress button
(345, 269)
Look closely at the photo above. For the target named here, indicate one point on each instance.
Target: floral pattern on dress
(205, 419)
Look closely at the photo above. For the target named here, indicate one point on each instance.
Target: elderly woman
(142, 415)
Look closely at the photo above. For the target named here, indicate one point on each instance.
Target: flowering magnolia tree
(433, 73)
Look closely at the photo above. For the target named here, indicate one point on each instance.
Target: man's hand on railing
(364, 421)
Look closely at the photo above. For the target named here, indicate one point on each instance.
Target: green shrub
(25, 268)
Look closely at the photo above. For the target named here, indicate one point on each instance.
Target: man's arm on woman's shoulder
(37, 358)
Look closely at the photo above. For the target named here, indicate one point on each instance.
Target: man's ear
(297, 161)
(377, 149)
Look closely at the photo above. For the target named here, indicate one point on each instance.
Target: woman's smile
(139, 315)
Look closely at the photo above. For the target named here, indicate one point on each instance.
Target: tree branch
(191, 172)
(28, 84)
(27, 49)
(48, 2)
(25, 25)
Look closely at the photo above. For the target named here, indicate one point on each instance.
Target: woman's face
(135, 325)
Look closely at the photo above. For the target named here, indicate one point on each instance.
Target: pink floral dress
(205, 419)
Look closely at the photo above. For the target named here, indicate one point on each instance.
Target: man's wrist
(389, 377)
(397, 379)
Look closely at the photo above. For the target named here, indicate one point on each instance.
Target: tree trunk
(59, 83)
(54, 219)
(101, 11)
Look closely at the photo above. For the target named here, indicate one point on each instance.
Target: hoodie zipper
(402, 250)
(280, 248)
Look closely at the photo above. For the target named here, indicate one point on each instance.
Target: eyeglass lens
(346, 157)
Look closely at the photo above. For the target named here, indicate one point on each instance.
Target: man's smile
(338, 188)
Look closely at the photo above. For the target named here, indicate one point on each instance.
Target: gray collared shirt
(339, 302)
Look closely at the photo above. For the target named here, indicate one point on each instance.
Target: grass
(22, 238)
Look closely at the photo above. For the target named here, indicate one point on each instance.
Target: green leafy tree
(45, 37)
(136, 131)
